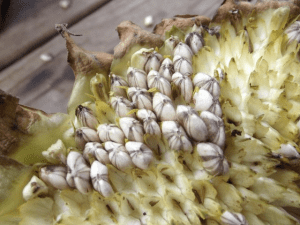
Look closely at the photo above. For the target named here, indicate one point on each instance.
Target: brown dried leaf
(130, 34)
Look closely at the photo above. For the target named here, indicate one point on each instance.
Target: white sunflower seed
(216, 108)
(215, 127)
(213, 159)
(34, 188)
(170, 45)
(167, 69)
(151, 127)
(293, 32)
(132, 129)
(84, 135)
(110, 132)
(184, 51)
(137, 78)
(176, 136)
(78, 172)
(122, 106)
(99, 177)
(86, 117)
(149, 122)
(118, 155)
(115, 83)
(163, 107)
(55, 176)
(140, 97)
(192, 123)
(208, 83)
(154, 79)
(185, 85)
(204, 101)
(288, 151)
(182, 65)
(96, 151)
(153, 62)
(143, 114)
(140, 154)
(195, 41)
(230, 218)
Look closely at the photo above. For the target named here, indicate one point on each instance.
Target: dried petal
(137, 78)
(122, 106)
(163, 107)
(213, 159)
(132, 129)
(141, 97)
(185, 85)
(176, 136)
(154, 79)
(192, 123)
(55, 176)
(110, 132)
(99, 177)
(118, 155)
(182, 65)
(140, 154)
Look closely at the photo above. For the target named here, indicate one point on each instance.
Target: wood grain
(47, 85)
(27, 34)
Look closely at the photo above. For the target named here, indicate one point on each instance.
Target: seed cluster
(155, 133)
(161, 98)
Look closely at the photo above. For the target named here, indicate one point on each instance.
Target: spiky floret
(168, 177)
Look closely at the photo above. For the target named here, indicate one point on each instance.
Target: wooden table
(47, 85)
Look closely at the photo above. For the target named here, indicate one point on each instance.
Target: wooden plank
(32, 80)
(29, 33)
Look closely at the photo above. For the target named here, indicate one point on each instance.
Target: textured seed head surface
(202, 129)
